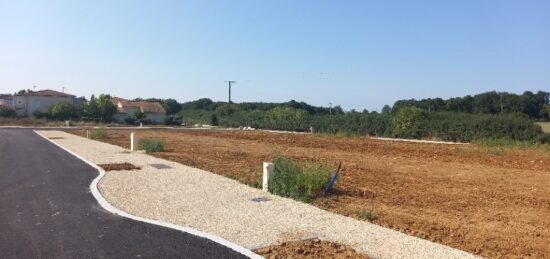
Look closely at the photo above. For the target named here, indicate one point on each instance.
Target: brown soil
(494, 202)
(119, 167)
(314, 249)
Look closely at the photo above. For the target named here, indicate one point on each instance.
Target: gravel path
(214, 204)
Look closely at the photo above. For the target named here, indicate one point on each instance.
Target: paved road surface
(47, 211)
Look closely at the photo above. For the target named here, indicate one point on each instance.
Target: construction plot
(489, 201)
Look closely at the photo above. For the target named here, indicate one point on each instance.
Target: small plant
(191, 163)
(367, 215)
(152, 145)
(98, 133)
(294, 181)
(254, 183)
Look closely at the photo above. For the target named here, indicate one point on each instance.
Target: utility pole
(330, 108)
(230, 83)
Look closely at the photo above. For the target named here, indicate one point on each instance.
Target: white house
(28, 103)
(6, 101)
(154, 112)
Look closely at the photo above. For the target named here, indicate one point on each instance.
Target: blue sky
(359, 54)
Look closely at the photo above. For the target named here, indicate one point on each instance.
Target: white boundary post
(88, 134)
(133, 141)
(268, 169)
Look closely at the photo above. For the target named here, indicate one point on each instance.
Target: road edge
(110, 208)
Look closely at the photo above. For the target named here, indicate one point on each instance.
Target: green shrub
(7, 112)
(152, 145)
(98, 133)
(294, 181)
(544, 138)
(407, 122)
(367, 215)
(62, 111)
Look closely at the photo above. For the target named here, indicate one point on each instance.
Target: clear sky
(359, 54)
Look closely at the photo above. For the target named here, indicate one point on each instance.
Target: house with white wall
(6, 101)
(154, 112)
(28, 103)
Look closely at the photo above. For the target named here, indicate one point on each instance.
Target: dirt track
(490, 201)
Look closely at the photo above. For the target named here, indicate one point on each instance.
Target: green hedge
(408, 122)
(462, 127)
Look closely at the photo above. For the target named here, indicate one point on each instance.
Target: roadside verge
(107, 206)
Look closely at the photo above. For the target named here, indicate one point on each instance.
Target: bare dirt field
(490, 201)
(314, 249)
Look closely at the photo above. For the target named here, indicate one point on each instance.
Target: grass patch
(257, 183)
(191, 163)
(367, 215)
(98, 133)
(540, 141)
(152, 145)
(302, 183)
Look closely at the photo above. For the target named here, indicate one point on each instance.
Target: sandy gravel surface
(211, 203)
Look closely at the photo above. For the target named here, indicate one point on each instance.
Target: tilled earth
(314, 249)
(490, 201)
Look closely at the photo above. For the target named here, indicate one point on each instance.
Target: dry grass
(545, 126)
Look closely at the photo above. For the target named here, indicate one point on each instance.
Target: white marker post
(268, 169)
(87, 134)
(133, 141)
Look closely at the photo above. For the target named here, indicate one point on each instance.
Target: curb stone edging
(108, 207)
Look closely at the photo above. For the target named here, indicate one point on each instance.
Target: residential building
(31, 102)
(6, 101)
(154, 112)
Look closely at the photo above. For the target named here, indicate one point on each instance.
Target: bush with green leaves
(543, 138)
(63, 111)
(152, 145)
(430, 121)
(407, 122)
(367, 215)
(7, 112)
(289, 179)
(98, 133)
(100, 109)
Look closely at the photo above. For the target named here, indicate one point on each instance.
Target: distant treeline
(533, 105)
(488, 115)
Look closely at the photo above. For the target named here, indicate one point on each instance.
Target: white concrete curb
(107, 206)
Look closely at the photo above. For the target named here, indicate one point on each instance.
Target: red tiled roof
(146, 107)
(47, 93)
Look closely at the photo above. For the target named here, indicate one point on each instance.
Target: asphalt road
(47, 211)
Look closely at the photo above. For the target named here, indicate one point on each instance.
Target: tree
(407, 121)
(100, 109)
(213, 119)
(171, 106)
(63, 111)
(285, 118)
(139, 115)
(386, 109)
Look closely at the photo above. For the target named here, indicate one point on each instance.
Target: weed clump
(367, 215)
(152, 145)
(98, 133)
(294, 181)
